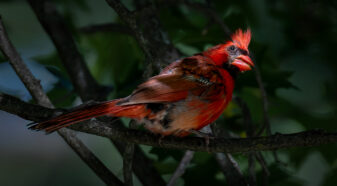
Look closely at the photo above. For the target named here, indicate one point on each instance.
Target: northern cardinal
(186, 96)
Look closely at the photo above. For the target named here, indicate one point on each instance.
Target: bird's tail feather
(81, 114)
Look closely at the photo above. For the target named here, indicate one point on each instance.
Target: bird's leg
(206, 136)
(160, 138)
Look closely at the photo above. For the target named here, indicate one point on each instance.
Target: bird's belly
(180, 117)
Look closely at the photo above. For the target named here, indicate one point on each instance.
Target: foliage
(293, 45)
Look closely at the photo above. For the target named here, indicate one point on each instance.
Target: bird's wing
(175, 86)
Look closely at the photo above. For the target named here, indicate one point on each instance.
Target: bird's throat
(232, 70)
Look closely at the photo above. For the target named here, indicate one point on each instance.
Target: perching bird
(186, 96)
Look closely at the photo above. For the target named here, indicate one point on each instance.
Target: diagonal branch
(84, 84)
(227, 163)
(79, 74)
(185, 161)
(142, 165)
(32, 84)
(230, 169)
(151, 38)
(34, 87)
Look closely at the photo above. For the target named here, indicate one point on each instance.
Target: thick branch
(84, 84)
(277, 141)
(151, 38)
(231, 145)
(34, 87)
(25, 110)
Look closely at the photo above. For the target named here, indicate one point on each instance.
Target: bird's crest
(241, 38)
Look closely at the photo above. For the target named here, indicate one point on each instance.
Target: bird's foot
(206, 136)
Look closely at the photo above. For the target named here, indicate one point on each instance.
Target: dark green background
(294, 43)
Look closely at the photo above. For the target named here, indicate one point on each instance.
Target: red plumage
(187, 95)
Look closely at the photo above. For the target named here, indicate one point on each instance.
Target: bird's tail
(87, 112)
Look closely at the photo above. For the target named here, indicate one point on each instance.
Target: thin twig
(230, 169)
(262, 162)
(34, 87)
(253, 155)
(142, 166)
(185, 161)
(266, 123)
(227, 163)
(251, 169)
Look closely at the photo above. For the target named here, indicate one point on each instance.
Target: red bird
(186, 96)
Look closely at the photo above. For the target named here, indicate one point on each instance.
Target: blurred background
(294, 43)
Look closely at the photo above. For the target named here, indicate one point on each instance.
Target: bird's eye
(231, 48)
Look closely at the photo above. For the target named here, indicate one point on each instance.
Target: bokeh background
(294, 43)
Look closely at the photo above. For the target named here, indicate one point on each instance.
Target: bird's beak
(243, 62)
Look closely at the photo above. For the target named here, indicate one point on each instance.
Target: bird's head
(233, 53)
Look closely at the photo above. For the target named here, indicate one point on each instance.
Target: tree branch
(229, 145)
(266, 123)
(89, 158)
(154, 42)
(185, 161)
(53, 23)
(263, 163)
(251, 169)
(128, 159)
(158, 50)
(230, 169)
(142, 165)
(34, 87)
(32, 84)
(25, 110)
(81, 78)
(227, 163)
